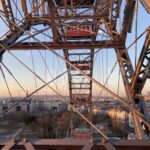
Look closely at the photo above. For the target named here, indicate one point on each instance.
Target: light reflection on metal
(146, 4)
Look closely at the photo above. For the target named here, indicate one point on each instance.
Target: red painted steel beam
(146, 4)
(68, 45)
(29, 146)
(128, 18)
(81, 144)
(52, 10)
(8, 145)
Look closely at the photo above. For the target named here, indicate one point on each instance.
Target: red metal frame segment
(57, 144)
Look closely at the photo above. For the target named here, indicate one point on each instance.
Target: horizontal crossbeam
(67, 45)
(81, 144)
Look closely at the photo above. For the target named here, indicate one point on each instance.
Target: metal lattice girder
(128, 18)
(77, 93)
(127, 71)
(81, 4)
(115, 10)
(68, 45)
(142, 71)
(141, 74)
(134, 82)
(65, 18)
(11, 38)
(52, 14)
(7, 9)
(127, 68)
(24, 7)
(102, 7)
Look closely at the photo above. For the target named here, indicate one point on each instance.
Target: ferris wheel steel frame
(134, 81)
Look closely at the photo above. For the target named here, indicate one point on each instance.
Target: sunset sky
(57, 66)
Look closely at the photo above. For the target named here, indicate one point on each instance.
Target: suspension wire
(4, 22)
(46, 84)
(20, 21)
(136, 32)
(132, 43)
(118, 88)
(90, 78)
(57, 70)
(107, 79)
(137, 113)
(96, 52)
(6, 68)
(61, 68)
(89, 122)
(78, 14)
(62, 71)
(36, 29)
(45, 72)
(46, 80)
(62, 97)
(102, 63)
(5, 82)
(33, 33)
(38, 6)
(30, 94)
(33, 67)
(56, 53)
(135, 40)
(47, 68)
(15, 3)
(130, 46)
(106, 89)
(83, 79)
(106, 70)
(46, 63)
(31, 12)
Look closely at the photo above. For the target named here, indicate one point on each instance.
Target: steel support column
(127, 73)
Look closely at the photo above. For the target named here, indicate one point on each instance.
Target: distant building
(32, 105)
(18, 106)
(54, 105)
